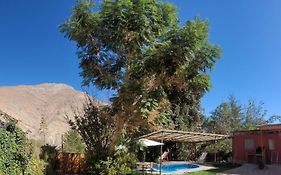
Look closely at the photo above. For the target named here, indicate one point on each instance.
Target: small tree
(73, 142)
(96, 128)
(43, 129)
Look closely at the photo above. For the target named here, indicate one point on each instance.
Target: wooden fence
(70, 163)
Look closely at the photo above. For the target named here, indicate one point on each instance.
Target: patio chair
(164, 156)
(202, 158)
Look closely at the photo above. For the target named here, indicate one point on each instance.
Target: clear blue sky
(32, 50)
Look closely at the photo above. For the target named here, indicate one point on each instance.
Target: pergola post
(195, 150)
(161, 150)
(215, 149)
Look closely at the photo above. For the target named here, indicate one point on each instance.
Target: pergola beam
(183, 136)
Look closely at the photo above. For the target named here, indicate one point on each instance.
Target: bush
(73, 142)
(15, 150)
(118, 164)
(48, 154)
(35, 167)
(96, 128)
(224, 146)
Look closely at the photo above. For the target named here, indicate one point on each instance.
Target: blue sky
(32, 50)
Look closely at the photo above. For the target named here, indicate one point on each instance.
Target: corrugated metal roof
(262, 128)
(269, 127)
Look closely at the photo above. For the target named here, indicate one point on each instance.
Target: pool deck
(180, 172)
(252, 169)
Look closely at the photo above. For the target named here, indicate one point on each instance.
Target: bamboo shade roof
(183, 136)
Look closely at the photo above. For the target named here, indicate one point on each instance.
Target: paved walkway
(252, 169)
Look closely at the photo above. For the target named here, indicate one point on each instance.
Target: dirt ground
(252, 169)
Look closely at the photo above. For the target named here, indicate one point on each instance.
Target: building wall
(241, 154)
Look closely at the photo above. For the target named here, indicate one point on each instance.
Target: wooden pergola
(183, 137)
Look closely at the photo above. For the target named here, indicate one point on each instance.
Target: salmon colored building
(262, 144)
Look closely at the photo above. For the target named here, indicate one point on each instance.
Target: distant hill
(28, 104)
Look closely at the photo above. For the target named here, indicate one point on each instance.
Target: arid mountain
(53, 102)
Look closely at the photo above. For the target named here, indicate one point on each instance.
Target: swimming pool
(171, 168)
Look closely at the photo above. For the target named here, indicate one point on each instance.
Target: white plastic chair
(202, 158)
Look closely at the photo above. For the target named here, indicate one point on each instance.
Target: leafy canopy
(138, 49)
(232, 116)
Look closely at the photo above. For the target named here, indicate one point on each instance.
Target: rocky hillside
(53, 102)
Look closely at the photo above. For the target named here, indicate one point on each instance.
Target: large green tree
(138, 49)
(254, 114)
(226, 118)
(232, 116)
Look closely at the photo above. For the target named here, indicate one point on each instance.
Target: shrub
(48, 154)
(73, 142)
(15, 150)
(118, 164)
(35, 167)
(96, 128)
(224, 146)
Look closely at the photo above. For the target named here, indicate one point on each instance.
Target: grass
(209, 172)
(220, 168)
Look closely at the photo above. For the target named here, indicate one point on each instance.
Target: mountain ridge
(52, 101)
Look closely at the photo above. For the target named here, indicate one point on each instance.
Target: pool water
(174, 167)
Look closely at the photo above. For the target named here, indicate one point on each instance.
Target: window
(271, 144)
(249, 144)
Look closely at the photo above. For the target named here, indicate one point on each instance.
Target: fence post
(62, 143)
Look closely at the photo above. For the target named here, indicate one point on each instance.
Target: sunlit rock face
(53, 102)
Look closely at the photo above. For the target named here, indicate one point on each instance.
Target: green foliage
(73, 142)
(96, 129)
(183, 151)
(226, 118)
(109, 34)
(15, 150)
(254, 114)
(231, 116)
(224, 146)
(147, 105)
(186, 118)
(48, 154)
(164, 119)
(35, 167)
(139, 49)
(118, 164)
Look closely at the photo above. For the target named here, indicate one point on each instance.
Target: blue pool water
(174, 167)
